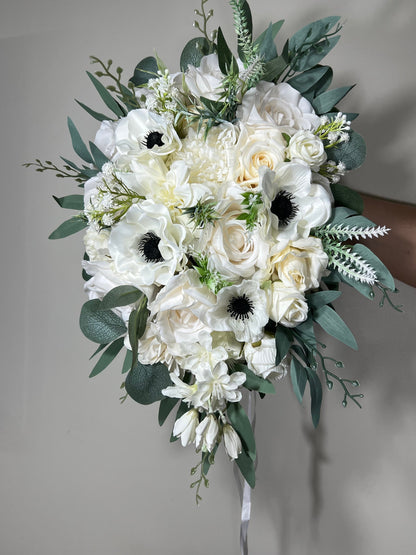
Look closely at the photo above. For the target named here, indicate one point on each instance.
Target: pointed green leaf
(267, 48)
(352, 153)
(306, 80)
(383, 274)
(100, 326)
(283, 340)
(315, 54)
(144, 382)
(146, 69)
(321, 298)
(167, 404)
(246, 466)
(93, 113)
(122, 295)
(333, 324)
(226, 60)
(327, 100)
(242, 426)
(78, 144)
(206, 465)
(363, 288)
(298, 378)
(137, 325)
(108, 356)
(254, 382)
(274, 69)
(72, 202)
(128, 359)
(275, 28)
(313, 32)
(246, 15)
(99, 157)
(315, 387)
(344, 196)
(305, 333)
(69, 227)
(106, 97)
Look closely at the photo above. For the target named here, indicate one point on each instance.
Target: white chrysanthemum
(264, 146)
(146, 246)
(294, 202)
(261, 359)
(210, 159)
(143, 130)
(216, 386)
(232, 442)
(185, 427)
(240, 309)
(207, 433)
(306, 146)
(279, 105)
(286, 305)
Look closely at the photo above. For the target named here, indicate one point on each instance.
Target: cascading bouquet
(217, 233)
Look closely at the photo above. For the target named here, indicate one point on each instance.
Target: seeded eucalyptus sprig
(66, 171)
(125, 94)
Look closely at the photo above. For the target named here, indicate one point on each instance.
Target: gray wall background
(82, 475)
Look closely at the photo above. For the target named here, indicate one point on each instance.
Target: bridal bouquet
(217, 234)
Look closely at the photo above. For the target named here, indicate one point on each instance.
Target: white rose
(205, 80)
(105, 139)
(280, 105)
(258, 147)
(301, 264)
(261, 359)
(286, 305)
(307, 147)
(233, 251)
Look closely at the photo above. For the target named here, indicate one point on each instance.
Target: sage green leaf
(274, 69)
(306, 80)
(305, 333)
(122, 295)
(275, 28)
(327, 100)
(298, 377)
(315, 387)
(137, 325)
(344, 196)
(206, 465)
(254, 382)
(108, 356)
(73, 202)
(98, 350)
(321, 298)
(242, 426)
(351, 116)
(146, 69)
(128, 359)
(315, 54)
(167, 404)
(246, 466)
(313, 32)
(78, 144)
(106, 97)
(267, 48)
(100, 326)
(69, 227)
(226, 60)
(144, 382)
(93, 113)
(363, 288)
(193, 52)
(352, 153)
(71, 164)
(99, 157)
(333, 324)
(322, 85)
(340, 214)
(283, 339)
(383, 274)
(246, 15)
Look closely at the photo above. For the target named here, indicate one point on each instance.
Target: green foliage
(78, 144)
(226, 61)
(253, 382)
(283, 340)
(122, 295)
(247, 469)
(96, 115)
(144, 382)
(107, 98)
(333, 324)
(315, 388)
(69, 227)
(167, 404)
(321, 298)
(71, 202)
(242, 426)
(352, 153)
(307, 80)
(383, 274)
(344, 196)
(298, 377)
(108, 356)
(326, 101)
(100, 326)
(137, 325)
(265, 42)
(146, 69)
(193, 52)
(99, 157)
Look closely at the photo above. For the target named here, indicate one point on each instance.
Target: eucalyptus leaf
(167, 404)
(226, 60)
(275, 28)
(327, 100)
(304, 81)
(72, 202)
(267, 48)
(121, 295)
(283, 339)
(315, 387)
(352, 153)
(305, 332)
(146, 69)
(383, 274)
(69, 227)
(137, 325)
(321, 298)
(315, 54)
(206, 465)
(108, 356)
(193, 52)
(246, 466)
(363, 288)
(128, 359)
(106, 97)
(98, 350)
(100, 326)
(144, 382)
(274, 68)
(313, 32)
(93, 113)
(254, 382)
(242, 426)
(298, 377)
(99, 157)
(333, 324)
(344, 196)
(78, 144)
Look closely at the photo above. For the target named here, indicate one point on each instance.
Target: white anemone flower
(295, 204)
(232, 442)
(146, 246)
(143, 130)
(241, 309)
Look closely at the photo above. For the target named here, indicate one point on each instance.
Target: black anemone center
(149, 247)
(153, 138)
(240, 307)
(284, 208)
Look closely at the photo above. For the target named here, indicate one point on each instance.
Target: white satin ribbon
(243, 488)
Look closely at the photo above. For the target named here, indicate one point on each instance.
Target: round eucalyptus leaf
(100, 326)
(144, 382)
